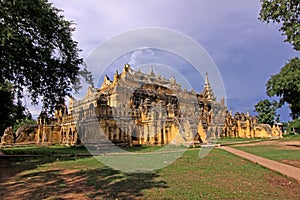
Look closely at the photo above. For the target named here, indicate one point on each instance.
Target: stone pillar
(44, 137)
(106, 131)
(67, 136)
(119, 136)
(75, 137)
(248, 132)
(171, 132)
(124, 134)
(239, 129)
(167, 138)
(145, 127)
(159, 133)
(129, 131)
(38, 134)
(50, 136)
(140, 134)
(164, 134)
(112, 135)
(126, 131)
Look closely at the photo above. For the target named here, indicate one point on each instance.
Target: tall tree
(10, 111)
(286, 85)
(287, 13)
(266, 111)
(37, 52)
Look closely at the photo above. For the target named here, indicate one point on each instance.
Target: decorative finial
(151, 72)
(206, 79)
(127, 67)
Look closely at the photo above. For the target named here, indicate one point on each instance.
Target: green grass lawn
(220, 175)
(274, 151)
(142, 149)
(44, 150)
(291, 137)
(226, 141)
(59, 149)
(65, 150)
(271, 151)
(232, 141)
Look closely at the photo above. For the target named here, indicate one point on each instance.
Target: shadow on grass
(45, 150)
(141, 148)
(10, 166)
(114, 184)
(70, 183)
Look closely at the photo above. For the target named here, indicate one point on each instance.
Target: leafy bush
(294, 126)
(22, 122)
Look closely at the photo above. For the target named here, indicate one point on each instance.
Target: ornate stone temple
(245, 126)
(136, 108)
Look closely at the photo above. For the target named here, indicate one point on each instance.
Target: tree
(286, 85)
(10, 111)
(22, 122)
(287, 13)
(267, 111)
(38, 54)
(294, 126)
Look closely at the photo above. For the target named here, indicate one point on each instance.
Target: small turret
(126, 69)
(106, 82)
(152, 73)
(116, 78)
(208, 93)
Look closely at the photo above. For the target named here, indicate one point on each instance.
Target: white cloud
(142, 56)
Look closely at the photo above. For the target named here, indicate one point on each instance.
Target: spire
(116, 77)
(151, 72)
(208, 90)
(223, 101)
(106, 82)
(106, 78)
(206, 79)
(126, 69)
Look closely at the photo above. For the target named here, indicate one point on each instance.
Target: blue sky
(246, 51)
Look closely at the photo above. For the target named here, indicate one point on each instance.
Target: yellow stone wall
(144, 109)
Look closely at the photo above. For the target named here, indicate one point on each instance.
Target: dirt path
(282, 168)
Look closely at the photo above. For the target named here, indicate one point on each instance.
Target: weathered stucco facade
(136, 109)
(245, 126)
(144, 109)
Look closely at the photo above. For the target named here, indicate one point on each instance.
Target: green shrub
(22, 122)
(294, 126)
